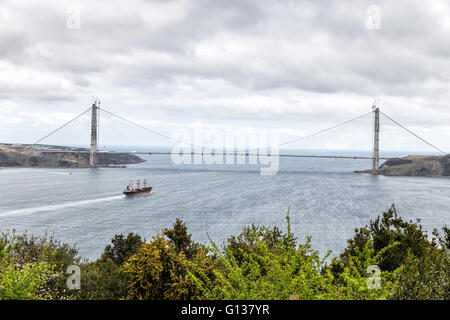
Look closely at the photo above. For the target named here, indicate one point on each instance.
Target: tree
(443, 240)
(122, 247)
(102, 279)
(157, 271)
(21, 280)
(105, 279)
(385, 231)
(427, 277)
(249, 239)
(32, 249)
(180, 239)
(278, 269)
(159, 268)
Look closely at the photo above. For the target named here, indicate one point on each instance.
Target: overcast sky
(296, 66)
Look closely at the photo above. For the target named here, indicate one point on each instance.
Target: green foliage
(262, 274)
(259, 263)
(427, 277)
(354, 280)
(157, 271)
(446, 239)
(443, 240)
(122, 248)
(180, 240)
(21, 280)
(385, 231)
(413, 266)
(32, 249)
(102, 280)
(250, 238)
(271, 266)
(159, 268)
(105, 278)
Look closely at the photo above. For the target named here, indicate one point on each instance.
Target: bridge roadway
(220, 153)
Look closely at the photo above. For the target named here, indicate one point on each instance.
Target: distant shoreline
(414, 165)
(21, 156)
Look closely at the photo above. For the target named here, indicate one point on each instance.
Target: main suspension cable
(56, 130)
(153, 131)
(403, 127)
(319, 132)
(267, 147)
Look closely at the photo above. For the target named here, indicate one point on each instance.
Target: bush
(105, 279)
(20, 279)
(159, 268)
(426, 276)
(259, 263)
(122, 248)
(423, 278)
(271, 266)
(385, 231)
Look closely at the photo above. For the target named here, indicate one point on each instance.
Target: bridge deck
(224, 153)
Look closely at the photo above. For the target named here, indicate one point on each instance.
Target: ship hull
(137, 192)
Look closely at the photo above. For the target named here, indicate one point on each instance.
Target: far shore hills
(418, 166)
(22, 155)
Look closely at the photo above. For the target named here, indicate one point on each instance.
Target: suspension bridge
(94, 143)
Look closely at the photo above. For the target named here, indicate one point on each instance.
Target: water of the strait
(86, 208)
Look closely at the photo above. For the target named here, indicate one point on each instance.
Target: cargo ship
(132, 191)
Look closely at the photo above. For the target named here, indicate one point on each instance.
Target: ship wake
(59, 206)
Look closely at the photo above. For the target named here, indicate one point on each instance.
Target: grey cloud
(178, 51)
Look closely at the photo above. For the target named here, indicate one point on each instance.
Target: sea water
(86, 207)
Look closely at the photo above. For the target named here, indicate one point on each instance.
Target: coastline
(414, 166)
(21, 156)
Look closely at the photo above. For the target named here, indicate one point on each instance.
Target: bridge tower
(94, 140)
(376, 137)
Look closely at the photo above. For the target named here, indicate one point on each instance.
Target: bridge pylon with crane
(94, 133)
(376, 137)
